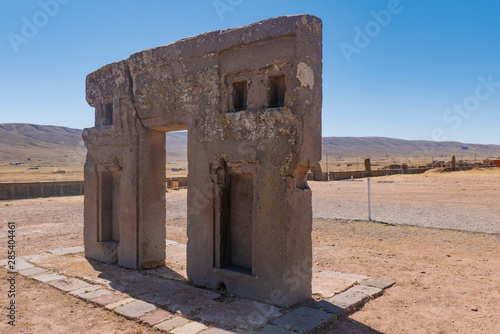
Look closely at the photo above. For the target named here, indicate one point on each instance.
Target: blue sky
(421, 69)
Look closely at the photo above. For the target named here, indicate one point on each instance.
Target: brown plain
(447, 281)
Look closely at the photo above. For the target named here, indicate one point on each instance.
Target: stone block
(189, 328)
(135, 309)
(378, 283)
(82, 291)
(155, 317)
(106, 299)
(271, 329)
(303, 319)
(170, 324)
(32, 271)
(215, 330)
(355, 296)
(49, 277)
(94, 294)
(67, 250)
(69, 284)
(19, 265)
(123, 301)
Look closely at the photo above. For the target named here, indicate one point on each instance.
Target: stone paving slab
(69, 284)
(170, 324)
(155, 317)
(32, 271)
(94, 294)
(171, 272)
(68, 250)
(166, 287)
(303, 319)
(82, 291)
(215, 330)
(19, 265)
(48, 277)
(189, 328)
(271, 329)
(107, 299)
(120, 303)
(33, 256)
(244, 314)
(135, 309)
(378, 283)
(355, 296)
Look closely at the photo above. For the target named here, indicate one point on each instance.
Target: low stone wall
(332, 176)
(25, 190)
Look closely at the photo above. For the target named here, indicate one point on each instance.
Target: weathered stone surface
(155, 317)
(19, 265)
(69, 284)
(135, 309)
(122, 302)
(378, 283)
(68, 250)
(328, 283)
(214, 330)
(250, 98)
(170, 324)
(325, 305)
(189, 328)
(49, 277)
(354, 296)
(32, 271)
(82, 291)
(243, 314)
(94, 294)
(107, 299)
(368, 290)
(303, 319)
(271, 329)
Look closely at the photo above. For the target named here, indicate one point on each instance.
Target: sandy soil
(447, 281)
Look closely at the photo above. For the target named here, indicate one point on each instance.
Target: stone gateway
(250, 98)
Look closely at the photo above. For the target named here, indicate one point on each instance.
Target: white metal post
(369, 200)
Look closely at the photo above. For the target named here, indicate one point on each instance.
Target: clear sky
(421, 69)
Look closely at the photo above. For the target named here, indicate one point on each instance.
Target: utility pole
(327, 163)
(357, 164)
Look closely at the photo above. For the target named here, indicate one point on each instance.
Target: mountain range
(54, 144)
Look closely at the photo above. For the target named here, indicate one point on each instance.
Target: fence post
(369, 200)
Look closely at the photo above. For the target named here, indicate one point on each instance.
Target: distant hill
(40, 143)
(351, 147)
(60, 144)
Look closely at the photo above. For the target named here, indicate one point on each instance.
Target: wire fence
(470, 205)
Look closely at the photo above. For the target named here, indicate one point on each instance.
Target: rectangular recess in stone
(240, 93)
(107, 118)
(277, 90)
(236, 224)
(109, 227)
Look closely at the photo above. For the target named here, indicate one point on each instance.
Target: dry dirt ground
(448, 281)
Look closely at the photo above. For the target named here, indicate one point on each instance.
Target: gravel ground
(467, 201)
